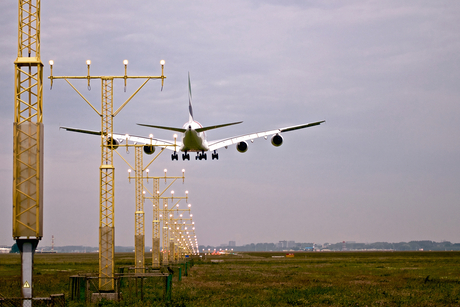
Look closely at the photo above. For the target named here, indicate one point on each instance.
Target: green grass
(257, 279)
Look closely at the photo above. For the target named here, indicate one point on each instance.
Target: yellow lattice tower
(139, 239)
(28, 126)
(107, 194)
(165, 233)
(28, 141)
(107, 170)
(156, 225)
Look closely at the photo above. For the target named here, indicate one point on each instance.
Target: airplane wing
(123, 138)
(213, 145)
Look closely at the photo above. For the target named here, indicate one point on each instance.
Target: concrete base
(96, 297)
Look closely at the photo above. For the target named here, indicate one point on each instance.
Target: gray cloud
(383, 74)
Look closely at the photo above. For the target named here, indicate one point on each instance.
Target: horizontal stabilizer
(216, 126)
(165, 128)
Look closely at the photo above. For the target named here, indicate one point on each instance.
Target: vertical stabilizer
(190, 110)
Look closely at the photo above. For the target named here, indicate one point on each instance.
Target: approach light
(88, 62)
(51, 62)
(125, 62)
(162, 62)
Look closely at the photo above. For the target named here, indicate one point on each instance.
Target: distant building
(282, 244)
(291, 244)
(232, 243)
(5, 250)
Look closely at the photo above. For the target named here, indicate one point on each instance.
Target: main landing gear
(201, 155)
(185, 156)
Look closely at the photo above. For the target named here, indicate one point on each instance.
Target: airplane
(194, 137)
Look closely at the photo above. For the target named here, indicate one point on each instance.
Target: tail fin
(190, 110)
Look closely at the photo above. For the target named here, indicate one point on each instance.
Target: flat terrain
(258, 279)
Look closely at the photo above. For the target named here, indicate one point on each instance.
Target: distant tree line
(347, 246)
(289, 246)
(401, 246)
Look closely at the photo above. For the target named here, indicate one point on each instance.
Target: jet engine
(149, 149)
(277, 140)
(112, 143)
(242, 146)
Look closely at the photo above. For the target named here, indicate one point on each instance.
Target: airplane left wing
(213, 145)
(171, 145)
(124, 138)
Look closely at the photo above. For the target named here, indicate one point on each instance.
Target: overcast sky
(383, 74)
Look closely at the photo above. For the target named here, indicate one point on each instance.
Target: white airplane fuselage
(192, 140)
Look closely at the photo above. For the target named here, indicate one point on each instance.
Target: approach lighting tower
(139, 214)
(107, 169)
(28, 140)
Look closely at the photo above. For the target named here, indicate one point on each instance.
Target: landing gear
(174, 156)
(185, 156)
(201, 155)
(215, 155)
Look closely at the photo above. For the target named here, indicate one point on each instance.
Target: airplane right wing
(213, 145)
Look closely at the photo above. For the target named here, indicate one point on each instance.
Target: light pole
(107, 169)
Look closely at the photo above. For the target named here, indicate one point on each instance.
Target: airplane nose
(190, 127)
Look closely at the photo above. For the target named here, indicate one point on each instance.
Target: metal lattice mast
(28, 140)
(165, 233)
(107, 194)
(28, 126)
(139, 239)
(156, 224)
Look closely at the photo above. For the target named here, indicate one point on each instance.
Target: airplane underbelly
(193, 142)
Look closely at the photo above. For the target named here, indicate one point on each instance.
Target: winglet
(190, 110)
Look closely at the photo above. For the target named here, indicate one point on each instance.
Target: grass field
(257, 279)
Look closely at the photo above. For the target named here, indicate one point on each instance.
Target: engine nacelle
(149, 149)
(112, 143)
(242, 146)
(277, 140)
